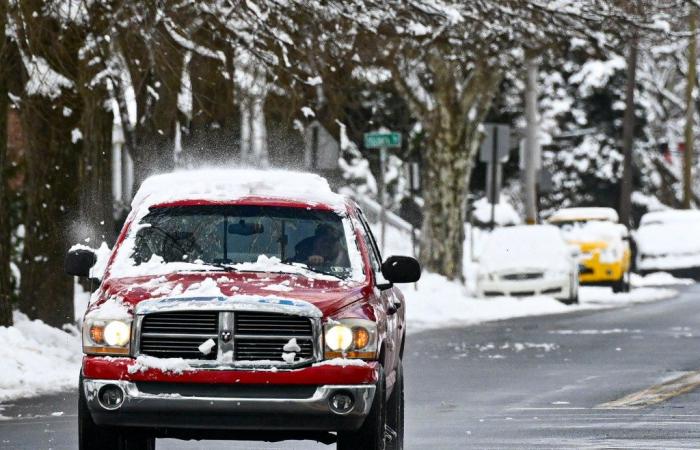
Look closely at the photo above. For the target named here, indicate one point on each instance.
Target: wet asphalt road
(524, 383)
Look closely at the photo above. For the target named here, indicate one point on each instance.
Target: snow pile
(659, 279)
(440, 303)
(525, 247)
(505, 214)
(37, 359)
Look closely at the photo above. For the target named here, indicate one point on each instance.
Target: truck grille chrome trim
(240, 337)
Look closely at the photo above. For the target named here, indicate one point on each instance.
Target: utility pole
(532, 153)
(689, 110)
(628, 133)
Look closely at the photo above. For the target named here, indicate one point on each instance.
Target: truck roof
(231, 185)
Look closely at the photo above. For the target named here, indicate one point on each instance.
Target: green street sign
(383, 140)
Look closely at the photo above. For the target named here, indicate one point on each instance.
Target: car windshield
(233, 237)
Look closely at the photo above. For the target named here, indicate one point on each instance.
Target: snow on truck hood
(266, 292)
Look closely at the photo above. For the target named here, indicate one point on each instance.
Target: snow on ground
(37, 359)
(440, 303)
(659, 279)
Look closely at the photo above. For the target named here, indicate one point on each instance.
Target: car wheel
(627, 282)
(394, 414)
(622, 285)
(96, 437)
(371, 435)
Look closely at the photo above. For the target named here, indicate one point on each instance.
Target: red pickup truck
(242, 305)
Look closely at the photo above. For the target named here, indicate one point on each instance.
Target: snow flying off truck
(242, 305)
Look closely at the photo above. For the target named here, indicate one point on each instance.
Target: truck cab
(240, 304)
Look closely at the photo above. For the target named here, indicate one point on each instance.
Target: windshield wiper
(311, 269)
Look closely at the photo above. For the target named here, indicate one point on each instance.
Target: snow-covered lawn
(37, 359)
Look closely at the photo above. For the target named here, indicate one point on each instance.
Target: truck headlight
(117, 333)
(339, 338)
(350, 338)
(106, 337)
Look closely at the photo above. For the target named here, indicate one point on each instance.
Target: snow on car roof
(585, 213)
(234, 184)
(670, 216)
(525, 246)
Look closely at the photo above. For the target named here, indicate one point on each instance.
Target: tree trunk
(445, 170)
(52, 193)
(214, 124)
(690, 111)
(155, 66)
(5, 250)
(95, 181)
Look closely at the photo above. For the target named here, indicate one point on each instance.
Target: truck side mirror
(79, 262)
(401, 269)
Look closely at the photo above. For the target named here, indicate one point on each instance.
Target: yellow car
(603, 242)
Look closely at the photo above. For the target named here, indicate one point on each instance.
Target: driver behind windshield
(323, 248)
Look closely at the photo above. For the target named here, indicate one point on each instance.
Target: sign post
(382, 140)
(494, 151)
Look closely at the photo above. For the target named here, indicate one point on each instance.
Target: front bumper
(592, 271)
(557, 287)
(230, 399)
(160, 406)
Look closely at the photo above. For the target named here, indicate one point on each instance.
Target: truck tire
(371, 435)
(395, 412)
(95, 437)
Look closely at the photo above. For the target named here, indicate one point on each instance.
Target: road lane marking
(656, 394)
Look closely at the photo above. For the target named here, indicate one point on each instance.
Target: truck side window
(374, 255)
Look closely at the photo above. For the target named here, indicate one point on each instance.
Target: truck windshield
(226, 236)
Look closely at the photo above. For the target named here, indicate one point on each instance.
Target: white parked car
(669, 241)
(528, 260)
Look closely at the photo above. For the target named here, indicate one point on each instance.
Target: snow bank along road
(535, 382)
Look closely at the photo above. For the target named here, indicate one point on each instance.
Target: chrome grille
(179, 334)
(272, 349)
(522, 276)
(270, 324)
(262, 336)
(255, 336)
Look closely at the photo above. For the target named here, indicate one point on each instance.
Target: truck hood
(325, 295)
